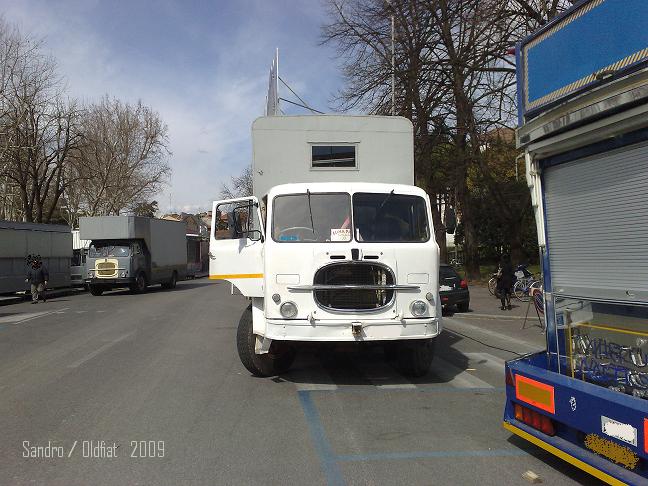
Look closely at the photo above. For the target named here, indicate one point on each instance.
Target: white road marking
(305, 380)
(100, 350)
(486, 360)
(455, 376)
(383, 376)
(27, 316)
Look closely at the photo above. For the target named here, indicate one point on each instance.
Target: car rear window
(447, 272)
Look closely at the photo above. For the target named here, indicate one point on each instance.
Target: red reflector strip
(535, 393)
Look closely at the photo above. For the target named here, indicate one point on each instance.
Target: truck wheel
(139, 285)
(463, 306)
(278, 360)
(96, 290)
(171, 284)
(415, 358)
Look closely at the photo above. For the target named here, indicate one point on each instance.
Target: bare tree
(39, 127)
(122, 163)
(239, 186)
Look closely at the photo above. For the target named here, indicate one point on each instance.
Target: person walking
(37, 276)
(505, 280)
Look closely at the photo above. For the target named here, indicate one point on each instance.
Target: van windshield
(107, 249)
(390, 218)
(312, 218)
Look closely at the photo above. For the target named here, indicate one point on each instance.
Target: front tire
(96, 290)
(463, 306)
(278, 360)
(415, 358)
(139, 285)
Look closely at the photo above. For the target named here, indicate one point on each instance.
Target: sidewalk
(51, 294)
(485, 305)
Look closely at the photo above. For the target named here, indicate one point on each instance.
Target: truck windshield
(98, 250)
(312, 218)
(389, 217)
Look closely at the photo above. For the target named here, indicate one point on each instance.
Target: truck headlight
(123, 273)
(288, 310)
(90, 273)
(418, 308)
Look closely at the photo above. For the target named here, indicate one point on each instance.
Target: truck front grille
(106, 269)
(354, 273)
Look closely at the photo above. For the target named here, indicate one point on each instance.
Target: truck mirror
(255, 235)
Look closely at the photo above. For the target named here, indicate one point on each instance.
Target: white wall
(282, 149)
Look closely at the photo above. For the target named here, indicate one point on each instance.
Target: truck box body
(165, 241)
(18, 240)
(283, 150)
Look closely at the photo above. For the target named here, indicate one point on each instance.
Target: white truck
(335, 245)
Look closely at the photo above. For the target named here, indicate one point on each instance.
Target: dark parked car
(453, 290)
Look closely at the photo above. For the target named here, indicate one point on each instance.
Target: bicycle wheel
(521, 291)
(492, 285)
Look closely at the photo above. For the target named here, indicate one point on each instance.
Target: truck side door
(236, 244)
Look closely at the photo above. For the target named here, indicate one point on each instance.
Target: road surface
(148, 389)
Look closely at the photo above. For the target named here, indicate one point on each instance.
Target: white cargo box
(331, 148)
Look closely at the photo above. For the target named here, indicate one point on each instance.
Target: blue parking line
(324, 451)
(389, 456)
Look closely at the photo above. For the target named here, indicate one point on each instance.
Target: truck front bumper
(338, 330)
(113, 282)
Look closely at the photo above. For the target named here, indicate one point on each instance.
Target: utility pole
(393, 63)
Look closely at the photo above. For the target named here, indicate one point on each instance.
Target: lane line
(492, 362)
(383, 376)
(305, 380)
(318, 435)
(485, 316)
(31, 316)
(455, 376)
(100, 350)
(390, 456)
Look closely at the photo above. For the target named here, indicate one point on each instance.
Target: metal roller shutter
(597, 225)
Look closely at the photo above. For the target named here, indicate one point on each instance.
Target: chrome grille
(354, 273)
(106, 269)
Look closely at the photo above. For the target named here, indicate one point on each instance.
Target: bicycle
(523, 286)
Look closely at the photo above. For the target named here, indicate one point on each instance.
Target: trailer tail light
(463, 284)
(534, 419)
(535, 393)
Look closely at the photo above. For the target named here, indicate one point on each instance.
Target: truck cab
(338, 261)
(116, 263)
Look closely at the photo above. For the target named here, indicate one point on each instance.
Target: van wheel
(139, 285)
(96, 290)
(278, 360)
(463, 306)
(415, 358)
(171, 284)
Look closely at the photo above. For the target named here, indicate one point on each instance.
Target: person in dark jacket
(505, 280)
(37, 276)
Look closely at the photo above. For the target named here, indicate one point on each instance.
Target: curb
(51, 294)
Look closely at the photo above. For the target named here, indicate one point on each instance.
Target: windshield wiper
(310, 210)
(382, 204)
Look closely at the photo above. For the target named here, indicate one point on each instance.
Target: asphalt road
(155, 380)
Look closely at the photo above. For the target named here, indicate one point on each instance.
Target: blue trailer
(583, 127)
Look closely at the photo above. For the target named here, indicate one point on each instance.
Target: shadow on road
(357, 364)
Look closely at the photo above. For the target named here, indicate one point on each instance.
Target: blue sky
(203, 65)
